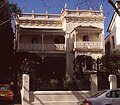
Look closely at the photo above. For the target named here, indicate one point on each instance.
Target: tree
(82, 64)
(111, 63)
(6, 37)
(78, 66)
(8, 11)
(113, 5)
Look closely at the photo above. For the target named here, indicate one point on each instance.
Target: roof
(117, 0)
(111, 21)
(88, 27)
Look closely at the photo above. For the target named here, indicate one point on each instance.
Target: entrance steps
(57, 103)
(58, 97)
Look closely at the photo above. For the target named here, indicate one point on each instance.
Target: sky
(55, 7)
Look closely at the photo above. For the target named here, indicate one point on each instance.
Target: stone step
(56, 103)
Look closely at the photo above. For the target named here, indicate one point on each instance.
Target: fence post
(25, 90)
(94, 83)
(112, 81)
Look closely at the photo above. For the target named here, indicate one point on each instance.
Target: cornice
(27, 22)
(92, 19)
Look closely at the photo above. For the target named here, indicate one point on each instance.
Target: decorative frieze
(83, 19)
(40, 23)
(57, 19)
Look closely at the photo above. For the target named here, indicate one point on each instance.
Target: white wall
(117, 30)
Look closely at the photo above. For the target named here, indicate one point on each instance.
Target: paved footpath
(8, 104)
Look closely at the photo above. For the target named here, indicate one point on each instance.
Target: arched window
(56, 41)
(85, 38)
(34, 40)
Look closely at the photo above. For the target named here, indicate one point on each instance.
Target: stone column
(25, 90)
(18, 37)
(94, 83)
(42, 42)
(67, 53)
(43, 47)
(112, 81)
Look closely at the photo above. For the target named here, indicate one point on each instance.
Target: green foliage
(54, 82)
(8, 11)
(14, 9)
(111, 63)
(6, 40)
(81, 64)
(27, 66)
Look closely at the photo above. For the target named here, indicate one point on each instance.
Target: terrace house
(112, 41)
(58, 38)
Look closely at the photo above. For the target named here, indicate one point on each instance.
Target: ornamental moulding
(83, 19)
(40, 23)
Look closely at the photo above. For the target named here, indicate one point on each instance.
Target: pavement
(16, 101)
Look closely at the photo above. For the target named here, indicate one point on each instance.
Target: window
(85, 38)
(113, 94)
(113, 42)
(4, 88)
(34, 40)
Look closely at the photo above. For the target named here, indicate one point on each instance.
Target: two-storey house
(112, 41)
(58, 38)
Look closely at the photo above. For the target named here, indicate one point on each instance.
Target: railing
(87, 44)
(30, 47)
(34, 15)
(83, 12)
(40, 47)
(67, 12)
(54, 47)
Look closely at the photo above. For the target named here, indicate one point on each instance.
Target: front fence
(29, 97)
(51, 84)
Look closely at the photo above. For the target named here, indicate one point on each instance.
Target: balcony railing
(54, 47)
(87, 45)
(40, 47)
(30, 47)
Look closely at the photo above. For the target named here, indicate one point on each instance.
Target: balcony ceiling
(44, 31)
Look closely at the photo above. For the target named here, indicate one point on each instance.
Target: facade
(58, 38)
(112, 41)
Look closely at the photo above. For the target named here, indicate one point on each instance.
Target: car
(6, 92)
(106, 97)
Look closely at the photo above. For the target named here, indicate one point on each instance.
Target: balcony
(30, 47)
(40, 47)
(54, 47)
(88, 45)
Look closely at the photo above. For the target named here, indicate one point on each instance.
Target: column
(113, 81)
(94, 83)
(75, 41)
(67, 55)
(17, 37)
(42, 42)
(25, 90)
(42, 47)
